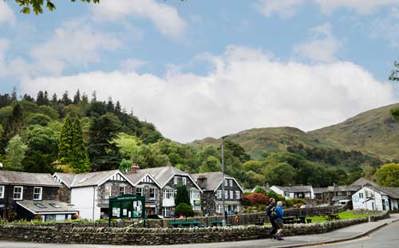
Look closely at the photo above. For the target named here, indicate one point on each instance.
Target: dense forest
(80, 133)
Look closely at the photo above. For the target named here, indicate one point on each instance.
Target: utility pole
(223, 183)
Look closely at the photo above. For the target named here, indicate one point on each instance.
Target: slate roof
(213, 180)
(344, 188)
(164, 174)
(138, 175)
(320, 190)
(43, 207)
(28, 179)
(363, 181)
(392, 192)
(85, 179)
(296, 189)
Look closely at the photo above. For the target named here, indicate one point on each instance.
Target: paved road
(387, 237)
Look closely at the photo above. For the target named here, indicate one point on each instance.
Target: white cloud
(322, 46)
(387, 28)
(288, 8)
(282, 8)
(246, 89)
(6, 13)
(74, 44)
(165, 17)
(129, 65)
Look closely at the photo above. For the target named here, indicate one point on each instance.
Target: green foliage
(388, 175)
(72, 149)
(38, 119)
(125, 165)
(37, 6)
(42, 149)
(184, 209)
(15, 154)
(395, 72)
(182, 195)
(280, 174)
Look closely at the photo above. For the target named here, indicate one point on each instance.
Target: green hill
(375, 132)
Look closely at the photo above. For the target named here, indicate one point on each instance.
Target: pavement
(354, 232)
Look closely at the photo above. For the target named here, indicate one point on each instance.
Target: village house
(335, 195)
(169, 178)
(378, 198)
(212, 184)
(147, 186)
(294, 192)
(32, 195)
(90, 192)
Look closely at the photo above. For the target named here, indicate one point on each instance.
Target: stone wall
(156, 236)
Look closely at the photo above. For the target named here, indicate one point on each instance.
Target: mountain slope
(373, 132)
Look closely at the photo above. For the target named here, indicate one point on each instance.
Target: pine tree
(76, 98)
(40, 98)
(65, 99)
(118, 107)
(54, 99)
(182, 195)
(72, 150)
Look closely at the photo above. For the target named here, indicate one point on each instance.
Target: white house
(294, 192)
(90, 192)
(376, 198)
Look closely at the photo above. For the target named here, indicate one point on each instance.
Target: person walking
(279, 214)
(270, 213)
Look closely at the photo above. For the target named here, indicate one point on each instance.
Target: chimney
(135, 167)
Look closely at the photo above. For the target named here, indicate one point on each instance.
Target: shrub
(255, 199)
(184, 209)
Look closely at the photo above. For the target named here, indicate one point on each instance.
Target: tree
(103, 152)
(37, 6)
(182, 195)
(15, 153)
(388, 175)
(76, 98)
(184, 209)
(395, 72)
(280, 174)
(42, 149)
(72, 149)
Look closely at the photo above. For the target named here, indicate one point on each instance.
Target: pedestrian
(270, 213)
(279, 214)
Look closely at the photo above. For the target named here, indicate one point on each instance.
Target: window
(175, 180)
(1, 191)
(184, 180)
(231, 194)
(231, 182)
(139, 191)
(226, 195)
(18, 192)
(168, 194)
(219, 194)
(37, 193)
(152, 194)
(361, 195)
(122, 190)
(226, 182)
(238, 195)
(219, 209)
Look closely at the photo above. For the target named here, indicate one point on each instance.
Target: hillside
(260, 140)
(374, 132)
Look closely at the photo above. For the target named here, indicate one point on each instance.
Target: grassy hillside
(375, 132)
(260, 140)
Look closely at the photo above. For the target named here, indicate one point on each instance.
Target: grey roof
(363, 181)
(320, 190)
(296, 189)
(392, 192)
(25, 178)
(344, 188)
(213, 180)
(138, 175)
(85, 179)
(163, 174)
(43, 207)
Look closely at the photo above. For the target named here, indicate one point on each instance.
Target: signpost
(127, 207)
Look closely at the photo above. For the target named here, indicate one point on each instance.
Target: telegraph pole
(223, 190)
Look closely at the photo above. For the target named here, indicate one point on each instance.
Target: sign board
(127, 207)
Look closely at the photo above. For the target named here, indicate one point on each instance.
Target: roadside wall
(157, 236)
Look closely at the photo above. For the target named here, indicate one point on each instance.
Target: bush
(184, 209)
(255, 199)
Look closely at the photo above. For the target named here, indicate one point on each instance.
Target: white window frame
(226, 194)
(124, 189)
(231, 194)
(226, 182)
(361, 195)
(2, 191)
(238, 194)
(141, 191)
(40, 193)
(155, 193)
(184, 180)
(231, 183)
(219, 194)
(175, 179)
(168, 193)
(21, 193)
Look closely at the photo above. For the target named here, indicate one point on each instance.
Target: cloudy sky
(202, 68)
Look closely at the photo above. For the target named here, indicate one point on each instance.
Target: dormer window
(1, 191)
(37, 193)
(18, 192)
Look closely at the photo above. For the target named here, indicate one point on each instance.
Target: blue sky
(202, 68)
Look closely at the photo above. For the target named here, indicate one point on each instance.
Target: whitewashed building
(294, 192)
(376, 198)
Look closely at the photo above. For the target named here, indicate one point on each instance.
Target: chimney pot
(135, 167)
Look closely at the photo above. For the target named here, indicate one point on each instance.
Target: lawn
(342, 216)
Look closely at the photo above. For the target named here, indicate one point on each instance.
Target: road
(386, 237)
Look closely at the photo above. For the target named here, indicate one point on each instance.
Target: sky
(206, 68)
